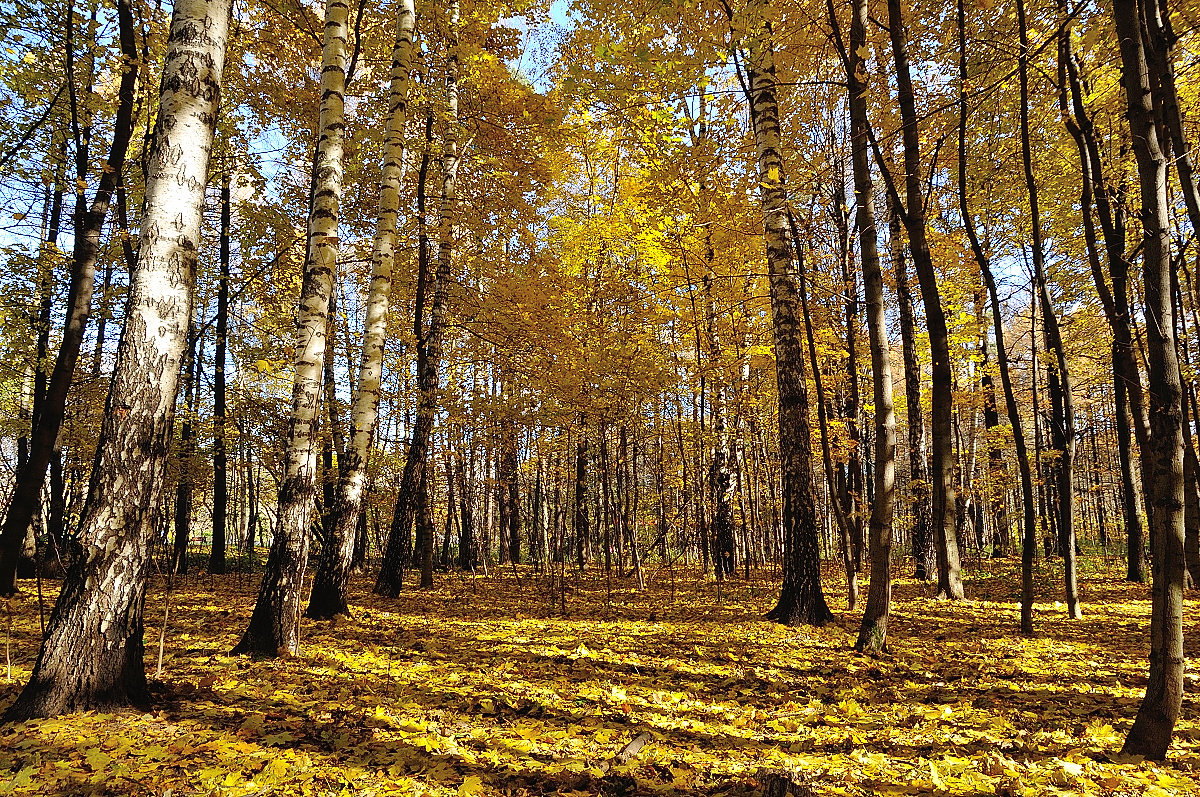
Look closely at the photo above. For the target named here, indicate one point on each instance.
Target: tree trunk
(92, 654)
(1058, 380)
(582, 533)
(425, 529)
(918, 476)
(719, 476)
(872, 632)
(942, 470)
(274, 625)
(801, 599)
(1131, 419)
(329, 592)
(220, 511)
(1029, 526)
(430, 340)
(186, 453)
(510, 496)
(1150, 735)
(89, 224)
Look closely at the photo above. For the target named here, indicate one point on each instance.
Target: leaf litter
(484, 687)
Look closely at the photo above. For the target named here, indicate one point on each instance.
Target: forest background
(551, 296)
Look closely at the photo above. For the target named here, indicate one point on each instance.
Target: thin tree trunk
(872, 633)
(186, 454)
(918, 475)
(582, 533)
(942, 475)
(92, 654)
(1029, 527)
(220, 511)
(1058, 380)
(430, 340)
(332, 579)
(274, 625)
(1132, 421)
(89, 222)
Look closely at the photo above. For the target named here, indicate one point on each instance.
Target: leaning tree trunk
(430, 340)
(48, 419)
(332, 578)
(872, 633)
(1029, 526)
(92, 654)
(1058, 382)
(1150, 735)
(942, 410)
(274, 625)
(801, 599)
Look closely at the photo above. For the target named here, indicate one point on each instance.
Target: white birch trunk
(430, 349)
(274, 626)
(92, 656)
(333, 572)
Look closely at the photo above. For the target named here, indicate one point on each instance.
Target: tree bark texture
(329, 592)
(274, 625)
(801, 598)
(1150, 735)
(92, 654)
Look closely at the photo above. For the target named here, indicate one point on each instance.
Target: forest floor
(485, 686)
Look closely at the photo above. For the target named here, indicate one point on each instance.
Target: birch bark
(333, 571)
(274, 625)
(92, 657)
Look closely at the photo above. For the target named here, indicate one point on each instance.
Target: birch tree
(429, 344)
(92, 654)
(274, 625)
(333, 570)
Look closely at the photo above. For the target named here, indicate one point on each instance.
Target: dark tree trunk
(187, 452)
(582, 533)
(921, 531)
(220, 512)
(1058, 382)
(872, 632)
(89, 224)
(425, 530)
(942, 409)
(510, 495)
(1131, 420)
(467, 559)
(1150, 735)
(1029, 525)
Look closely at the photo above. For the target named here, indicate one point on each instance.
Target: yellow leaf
(471, 784)
(97, 759)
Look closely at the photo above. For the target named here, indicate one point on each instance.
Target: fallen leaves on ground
(485, 687)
